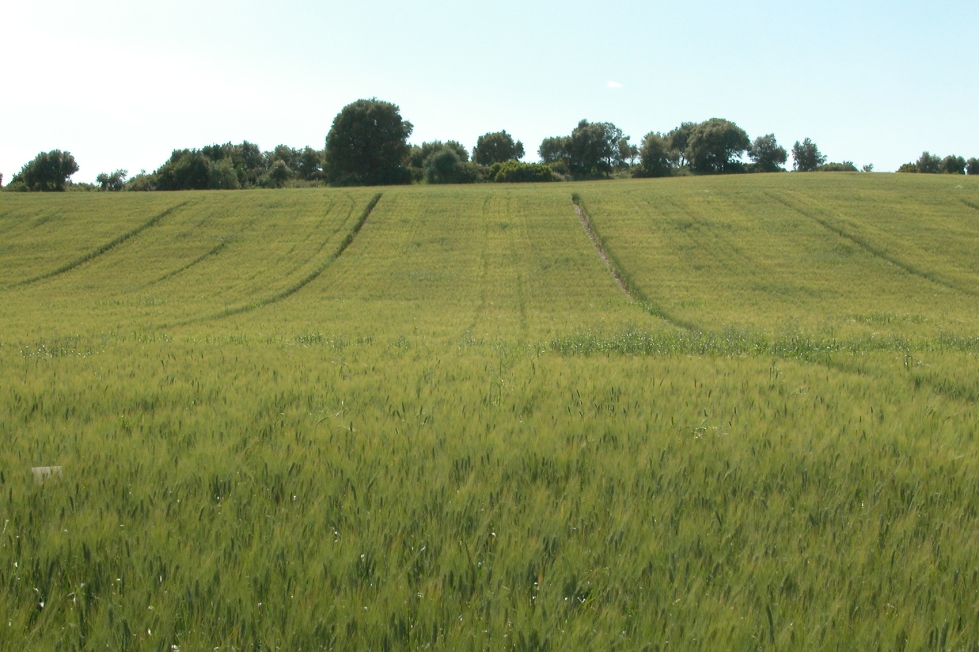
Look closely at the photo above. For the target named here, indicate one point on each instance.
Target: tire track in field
(213, 252)
(621, 277)
(521, 291)
(95, 253)
(950, 390)
(875, 251)
(15, 228)
(725, 252)
(325, 241)
(272, 265)
(970, 204)
(296, 287)
(483, 300)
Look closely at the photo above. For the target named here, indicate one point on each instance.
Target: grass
(460, 433)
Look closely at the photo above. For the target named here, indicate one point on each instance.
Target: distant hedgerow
(517, 172)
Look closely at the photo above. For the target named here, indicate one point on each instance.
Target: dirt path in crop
(635, 294)
(601, 251)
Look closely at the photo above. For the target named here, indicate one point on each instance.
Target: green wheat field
(430, 417)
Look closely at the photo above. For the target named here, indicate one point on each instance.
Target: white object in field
(42, 473)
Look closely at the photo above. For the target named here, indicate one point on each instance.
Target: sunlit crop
(319, 419)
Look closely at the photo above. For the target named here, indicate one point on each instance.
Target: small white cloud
(614, 84)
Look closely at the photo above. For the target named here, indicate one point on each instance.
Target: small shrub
(845, 166)
(516, 172)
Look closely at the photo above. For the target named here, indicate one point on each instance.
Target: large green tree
(806, 157)
(553, 150)
(928, 163)
(367, 145)
(48, 171)
(654, 157)
(310, 165)
(715, 145)
(676, 143)
(953, 165)
(767, 155)
(187, 169)
(112, 181)
(418, 154)
(593, 148)
(497, 147)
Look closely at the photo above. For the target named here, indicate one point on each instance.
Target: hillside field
(430, 417)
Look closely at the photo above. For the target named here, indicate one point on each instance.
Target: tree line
(931, 164)
(368, 145)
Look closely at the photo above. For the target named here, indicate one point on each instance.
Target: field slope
(430, 417)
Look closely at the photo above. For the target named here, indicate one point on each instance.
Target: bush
(908, 168)
(221, 175)
(845, 166)
(444, 166)
(517, 172)
(15, 186)
(972, 166)
(142, 182)
(447, 165)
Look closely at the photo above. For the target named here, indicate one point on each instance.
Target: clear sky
(120, 84)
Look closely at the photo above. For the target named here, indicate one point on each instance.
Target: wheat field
(431, 418)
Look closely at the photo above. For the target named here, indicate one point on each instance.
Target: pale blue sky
(120, 84)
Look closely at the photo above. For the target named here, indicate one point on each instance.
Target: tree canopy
(593, 149)
(931, 164)
(676, 143)
(48, 171)
(439, 162)
(715, 145)
(497, 147)
(806, 157)
(928, 163)
(367, 145)
(552, 150)
(654, 156)
(112, 182)
(767, 155)
(952, 165)
(228, 167)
